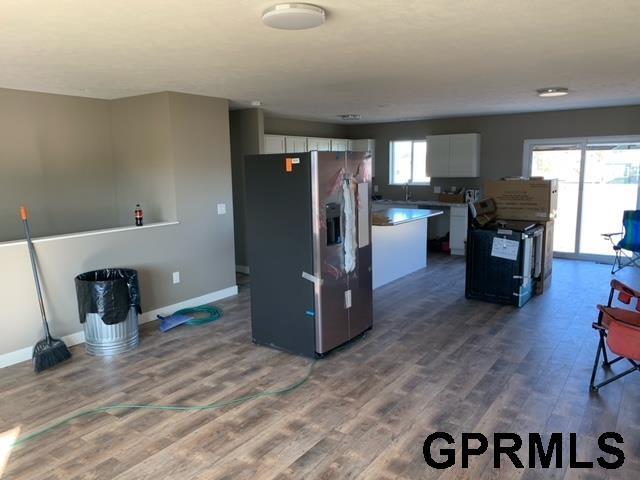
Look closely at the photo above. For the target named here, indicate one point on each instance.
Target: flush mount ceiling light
(552, 92)
(350, 116)
(293, 16)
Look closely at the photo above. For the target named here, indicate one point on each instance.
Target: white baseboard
(242, 269)
(76, 338)
(192, 302)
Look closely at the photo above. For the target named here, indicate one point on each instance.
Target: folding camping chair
(630, 241)
(619, 330)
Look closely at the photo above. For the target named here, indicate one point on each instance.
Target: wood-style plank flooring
(433, 361)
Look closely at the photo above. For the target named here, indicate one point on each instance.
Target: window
(408, 162)
(598, 178)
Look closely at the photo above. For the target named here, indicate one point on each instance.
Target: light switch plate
(222, 209)
(176, 277)
(437, 189)
(375, 189)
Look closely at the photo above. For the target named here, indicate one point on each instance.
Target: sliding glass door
(597, 181)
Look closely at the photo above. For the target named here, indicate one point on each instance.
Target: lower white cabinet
(458, 229)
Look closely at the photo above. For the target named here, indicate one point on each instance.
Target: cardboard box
(451, 197)
(544, 282)
(522, 199)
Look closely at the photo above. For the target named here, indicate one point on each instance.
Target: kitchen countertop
(430, 203)
(397, 216)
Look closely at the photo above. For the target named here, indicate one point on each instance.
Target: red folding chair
(619, 329)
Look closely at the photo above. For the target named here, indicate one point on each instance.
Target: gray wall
(303, 128)
(200, 247)
(56, 158)
(502, 139)
(143, 158)
(247, 128)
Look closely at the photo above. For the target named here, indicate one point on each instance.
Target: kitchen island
(399, 242)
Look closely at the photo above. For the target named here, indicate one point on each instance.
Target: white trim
(87, 234)
(76, 338)
(24, 354)
(242, 269)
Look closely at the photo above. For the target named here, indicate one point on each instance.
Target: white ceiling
(384, 59)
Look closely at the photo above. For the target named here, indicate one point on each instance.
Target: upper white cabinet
(364, 145)
(320, 144)
(453, 155)
(438, 156)
(295, 144)
(339, 145)
(274, 144)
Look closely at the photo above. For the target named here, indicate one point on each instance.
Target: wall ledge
(77, 338)
(66, 236)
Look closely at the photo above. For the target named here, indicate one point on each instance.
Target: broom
(49, 351)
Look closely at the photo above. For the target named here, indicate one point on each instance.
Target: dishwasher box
(504, 261)
(544, 280)
(532, 199)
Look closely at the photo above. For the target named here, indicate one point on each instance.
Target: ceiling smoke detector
(293, 16)
(552, 92)
(350, 116)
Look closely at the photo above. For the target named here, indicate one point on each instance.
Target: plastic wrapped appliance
(503, 261)
(308, 234)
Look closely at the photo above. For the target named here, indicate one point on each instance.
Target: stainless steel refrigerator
(308, 231)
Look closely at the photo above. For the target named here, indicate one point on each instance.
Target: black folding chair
(630, 242)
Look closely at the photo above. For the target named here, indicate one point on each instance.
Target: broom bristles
(49, 352)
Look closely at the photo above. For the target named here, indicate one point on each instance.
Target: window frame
(392, 162)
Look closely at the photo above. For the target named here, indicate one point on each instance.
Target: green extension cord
(212, 314)
(179, 408)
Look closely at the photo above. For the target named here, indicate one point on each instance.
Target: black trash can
(108, 305)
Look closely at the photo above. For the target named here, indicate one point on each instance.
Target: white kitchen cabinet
(274, 144)
(364, 145)
(339, 145)
(464, 160)
(453, 156)
(295, 144)
(438, 153)
(458, 229)
(319, 144)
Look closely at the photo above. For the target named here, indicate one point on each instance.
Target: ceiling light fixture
(350, 116)
(552, 92)
(293, 16)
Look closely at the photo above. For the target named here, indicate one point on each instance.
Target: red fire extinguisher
(138, 215)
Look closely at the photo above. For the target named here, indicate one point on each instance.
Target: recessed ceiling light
(553, 92)
(293, 16)
(350, 116)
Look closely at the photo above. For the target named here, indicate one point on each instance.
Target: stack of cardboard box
(532, 199)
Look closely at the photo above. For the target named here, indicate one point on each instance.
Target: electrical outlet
(176, 277)
(222, 209)
(437, 189)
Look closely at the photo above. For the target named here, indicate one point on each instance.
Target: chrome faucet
(407, 192)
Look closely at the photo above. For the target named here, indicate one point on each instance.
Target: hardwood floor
(433, 361)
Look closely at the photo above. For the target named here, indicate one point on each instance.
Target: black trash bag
(109, 292)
